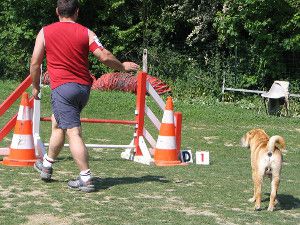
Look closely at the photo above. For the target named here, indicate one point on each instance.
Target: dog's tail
(276, 142)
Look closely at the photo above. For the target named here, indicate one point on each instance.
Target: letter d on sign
(186, 156)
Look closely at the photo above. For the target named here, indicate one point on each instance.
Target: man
(67, 45)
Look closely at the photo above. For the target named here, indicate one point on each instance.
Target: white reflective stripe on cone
(166, 142)
(22, 141)
(24, 113)
(168, 116)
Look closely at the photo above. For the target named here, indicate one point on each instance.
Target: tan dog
(266, 159)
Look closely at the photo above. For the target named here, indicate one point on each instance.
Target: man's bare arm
(36, 61)
(108, 59)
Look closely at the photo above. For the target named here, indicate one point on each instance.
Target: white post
(145, 61)
(36, 121)
(36, 116)
(223, 87)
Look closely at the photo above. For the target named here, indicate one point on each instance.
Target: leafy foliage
(20, 22)
(253, 42)
(259, 28)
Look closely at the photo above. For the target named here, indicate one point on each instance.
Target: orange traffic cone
(165, 153)
(22, 151)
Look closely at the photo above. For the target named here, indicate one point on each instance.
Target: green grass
(132, 193)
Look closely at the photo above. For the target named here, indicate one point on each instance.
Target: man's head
(67, 8)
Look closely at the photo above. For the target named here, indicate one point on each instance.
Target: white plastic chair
(276, 96)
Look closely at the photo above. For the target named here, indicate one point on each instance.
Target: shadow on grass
(286, 202)
(106, 183)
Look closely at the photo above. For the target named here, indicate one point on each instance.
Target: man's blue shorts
(67, 101)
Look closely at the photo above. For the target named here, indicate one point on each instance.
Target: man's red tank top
(67, 49)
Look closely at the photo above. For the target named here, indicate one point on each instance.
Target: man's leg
(57, 140)
(80, 156)
(77, 148)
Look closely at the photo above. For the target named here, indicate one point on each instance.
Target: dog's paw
(251, 200)
(271, 208)
(257, 209)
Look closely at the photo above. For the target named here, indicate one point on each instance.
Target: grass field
(132, 193)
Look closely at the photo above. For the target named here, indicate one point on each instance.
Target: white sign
(202, 157)
(186, 156)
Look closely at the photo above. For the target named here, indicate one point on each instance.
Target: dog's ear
(245, 141)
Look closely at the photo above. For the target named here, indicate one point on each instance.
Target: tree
(262, 31)
(20, 21)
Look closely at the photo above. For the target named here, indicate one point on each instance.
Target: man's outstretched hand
(130, 66)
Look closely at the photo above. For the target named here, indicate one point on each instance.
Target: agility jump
(137, 150)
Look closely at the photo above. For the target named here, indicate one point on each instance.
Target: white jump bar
(244, 90)
(101, 146)
(254, 91)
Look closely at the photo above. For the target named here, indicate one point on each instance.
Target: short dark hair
(67, 8)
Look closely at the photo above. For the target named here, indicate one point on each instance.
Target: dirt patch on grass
(211, 139)
(193, 211)
(35, 193)
(18, 192)
(237, 210)
(100, 140)
(15, 196)
(60, 172)
(4, 192)
(176, 203)
(291, 214)
(145, 196)
(47, 219)
(229, 144)
(197, 128)
(102, 150)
